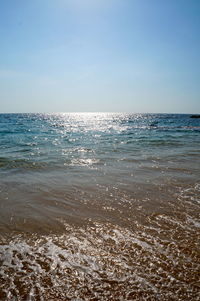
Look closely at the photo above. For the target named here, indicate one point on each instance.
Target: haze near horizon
(100, 56)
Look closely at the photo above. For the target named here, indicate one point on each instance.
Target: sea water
(99, 206)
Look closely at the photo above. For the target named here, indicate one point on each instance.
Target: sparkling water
(99, 206)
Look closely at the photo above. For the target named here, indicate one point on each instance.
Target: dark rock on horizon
(195, 116)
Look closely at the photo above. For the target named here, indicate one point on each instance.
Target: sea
(99, 206)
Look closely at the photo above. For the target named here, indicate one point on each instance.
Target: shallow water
(99, 207)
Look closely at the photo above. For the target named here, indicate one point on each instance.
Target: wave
(98, 262)
(8, 163)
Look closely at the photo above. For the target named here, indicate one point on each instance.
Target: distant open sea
(99, 206)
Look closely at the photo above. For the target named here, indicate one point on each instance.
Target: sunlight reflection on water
(99, 206)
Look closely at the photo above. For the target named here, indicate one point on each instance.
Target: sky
(133, 56)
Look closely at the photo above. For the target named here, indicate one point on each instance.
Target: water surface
(99, 206)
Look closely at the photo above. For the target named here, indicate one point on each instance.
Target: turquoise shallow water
(99, 205)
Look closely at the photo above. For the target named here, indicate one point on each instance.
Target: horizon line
(101, 112)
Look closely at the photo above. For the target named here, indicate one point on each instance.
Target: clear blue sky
(100, 55)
